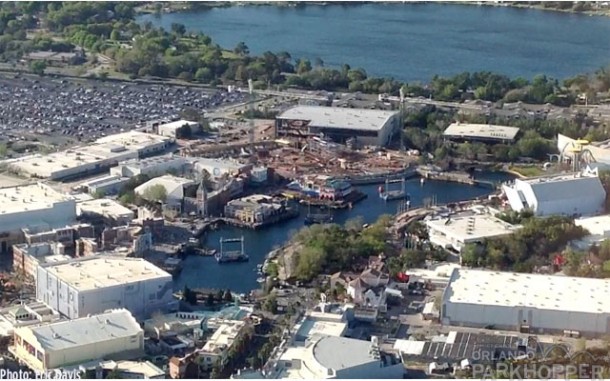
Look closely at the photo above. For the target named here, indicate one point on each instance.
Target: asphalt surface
(87, 110)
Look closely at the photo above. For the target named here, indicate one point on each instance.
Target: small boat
(261, 280)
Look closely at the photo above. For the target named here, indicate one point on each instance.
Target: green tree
(241, 49)
(178, 29)
(155, 192)
(38, 67)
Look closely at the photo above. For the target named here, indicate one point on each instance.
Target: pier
(318, 218)
(352, 198)
(231, 256)
(287, 215)
(380, 178)
(387, 195)
(456, 177)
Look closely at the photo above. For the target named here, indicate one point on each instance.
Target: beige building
(33, 208)
(26, 257)
(218, 345)
(109, 210)
(24, 315)
(112, 335)
(98, 283)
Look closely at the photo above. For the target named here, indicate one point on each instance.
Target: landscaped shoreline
(177, 7)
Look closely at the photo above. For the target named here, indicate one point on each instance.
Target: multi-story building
(174, 187)
(24, 315)
(34, 207)
(110, 211)
(322, 186)
(577, 194)
(254, 208)
(218, 345)
(454, 232)
(178, 129)
(113, 335)
(150, 166)
(369, 127)
(93, 158)
(534, 303)
(26, 257)
(95, 284)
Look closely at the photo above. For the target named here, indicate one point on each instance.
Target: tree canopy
(331, 248)
(533, 245)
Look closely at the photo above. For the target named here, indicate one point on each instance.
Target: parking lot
(467, 345)
(84, 110)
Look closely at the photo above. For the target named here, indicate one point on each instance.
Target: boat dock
(400, 194)
(380, 178)
(456, 177)
(352, 198)
(231, 256)
(287, 215)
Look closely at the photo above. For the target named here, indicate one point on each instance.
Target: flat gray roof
(484, 131)
(545, 292)
(338, 117)
(342, 352)
(89, 330)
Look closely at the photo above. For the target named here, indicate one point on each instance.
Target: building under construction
(367, 127)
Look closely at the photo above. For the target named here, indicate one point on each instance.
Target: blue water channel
(241, 277)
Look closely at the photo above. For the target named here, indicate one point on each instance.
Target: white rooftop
(311, 327)
(598, 225)
(177, 124)
(327, 354)
(104, 207)
(29, 197)
(224, 336)
(145, 368)
(153, 161)
(472, 227)
(540, 291)
(338, 117)
(169, 182)
(230, 165)
(566, 186)
(487, 131)
(88, 330)
(105, 271)
(120, 147)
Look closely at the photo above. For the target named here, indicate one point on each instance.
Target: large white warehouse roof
(29, 197)
(338, 117)
(482, 131)
(105, 271)
(473, 227)
(89, 330)
(506, 289)
(561, 187)
(116, 148)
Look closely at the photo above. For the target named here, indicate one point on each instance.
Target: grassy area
(227, 54)
(528, 171)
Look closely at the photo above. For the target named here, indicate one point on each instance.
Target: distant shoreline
(177, 7)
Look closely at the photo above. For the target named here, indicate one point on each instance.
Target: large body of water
(413, 42)
(241, 277)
